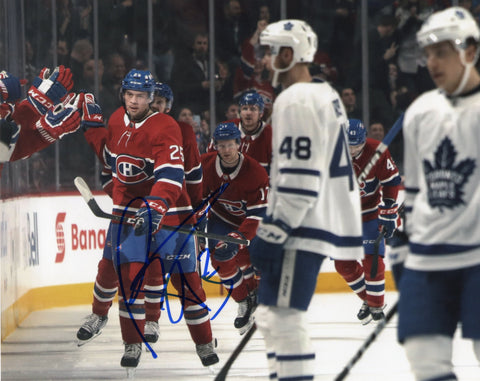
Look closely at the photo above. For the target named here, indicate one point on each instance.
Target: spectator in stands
(107, 100)
(185, 114)
(410, 15)
(190, 76)
(232, 111)
(252, 74)
(63, 53)
(376, 131)
(82, 51)
(115, 71)
(323, 68)
(349, 99)
(231, 29)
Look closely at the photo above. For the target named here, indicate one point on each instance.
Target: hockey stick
(382, 147)
(376, 246)
(370, 339)
(222, 375)
(87, 195)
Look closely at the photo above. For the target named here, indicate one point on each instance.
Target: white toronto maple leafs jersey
(442, 181)
(313, 186)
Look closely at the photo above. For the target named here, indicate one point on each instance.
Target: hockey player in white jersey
(314, 206)
(441, 280)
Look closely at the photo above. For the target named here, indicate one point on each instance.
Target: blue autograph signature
(176, 267)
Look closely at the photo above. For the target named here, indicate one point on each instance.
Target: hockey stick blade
(370, 339)
(87, 195)
(222, 375)
(382, 147)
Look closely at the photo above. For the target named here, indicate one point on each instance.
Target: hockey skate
(246, 308)
(377, 313)
(364, 314)
(152, 331)
(206, 352)
(131, 358)
(91, 328)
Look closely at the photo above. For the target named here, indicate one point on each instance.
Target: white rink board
(48, 241)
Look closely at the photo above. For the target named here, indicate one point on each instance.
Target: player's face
(228, 152)
(159, 104)
(444, 65)
(137, 103)
(250, 116)
(356, 150)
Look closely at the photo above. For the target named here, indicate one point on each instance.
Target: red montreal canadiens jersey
(257, 146)
(244, 201)
(193, 166)
(144, 158)
(30, 140)
(382, 179)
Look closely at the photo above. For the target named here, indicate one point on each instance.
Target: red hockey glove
(60, 120)
(49, 89)
(388, 217)
(91, 112)
(150, 215)
(225, 251)
(10, 87)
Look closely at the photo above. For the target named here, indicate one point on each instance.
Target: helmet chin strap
(466, 73)
(278, 71)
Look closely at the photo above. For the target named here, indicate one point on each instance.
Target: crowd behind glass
(102, 40)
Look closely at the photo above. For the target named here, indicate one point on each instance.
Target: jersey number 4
(341, 154)
(300, 149)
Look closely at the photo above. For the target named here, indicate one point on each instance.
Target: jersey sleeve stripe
(300, 192)
(300, 171)
(440, 249)
(323, 235)
(170, 174)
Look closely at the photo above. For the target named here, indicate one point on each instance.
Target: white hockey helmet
(453, 24)
(295, 34)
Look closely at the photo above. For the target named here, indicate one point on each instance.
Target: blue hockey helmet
(252, 98)
(164, 91)
(226, 131)
(357, 134)
(139, 80)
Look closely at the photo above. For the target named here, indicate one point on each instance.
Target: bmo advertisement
(48, 241)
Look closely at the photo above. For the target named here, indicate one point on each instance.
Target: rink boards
(50, 247)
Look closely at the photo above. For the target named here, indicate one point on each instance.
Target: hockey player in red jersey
(378, 193)
(46, 115)
(240, 187)
(142, 153)
(256, 135)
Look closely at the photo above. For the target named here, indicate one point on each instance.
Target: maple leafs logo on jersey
(445, 180)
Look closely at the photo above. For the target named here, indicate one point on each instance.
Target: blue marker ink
(136, 286)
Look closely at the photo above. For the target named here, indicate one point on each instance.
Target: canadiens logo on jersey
(234, 208)
(130, 169)
(445, 179)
